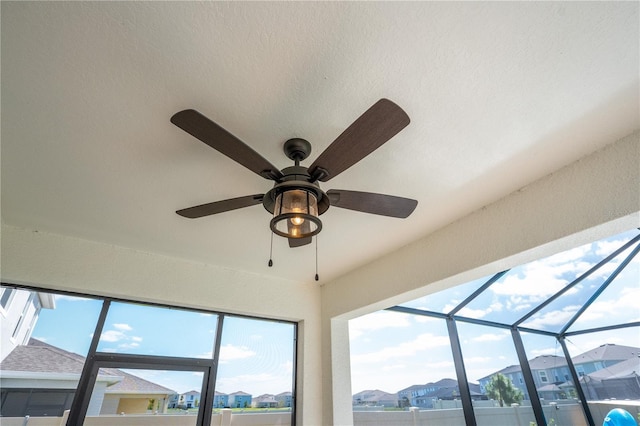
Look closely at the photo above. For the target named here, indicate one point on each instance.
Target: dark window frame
(96, 360)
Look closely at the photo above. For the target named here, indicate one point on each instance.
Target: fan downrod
(297, 149)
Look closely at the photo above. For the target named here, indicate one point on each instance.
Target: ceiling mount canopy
(296, 199)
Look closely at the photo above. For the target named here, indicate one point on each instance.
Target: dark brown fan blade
(199, 126)
(303, 228)
(368, 202)
(371, 130)
(220, 206)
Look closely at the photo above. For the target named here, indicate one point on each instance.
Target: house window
(5, 298)
(543, 376)
(23, 314)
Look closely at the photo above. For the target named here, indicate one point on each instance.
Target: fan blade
(368, 202)
(200, 127)
(303, 228)
(299, 242)
(220, 206)
(371, 130)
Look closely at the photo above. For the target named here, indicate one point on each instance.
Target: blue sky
(391, 351)
(255, 356)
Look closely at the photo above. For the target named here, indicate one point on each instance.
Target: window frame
(96, 360)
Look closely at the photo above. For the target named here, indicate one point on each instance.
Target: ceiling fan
(296, 199)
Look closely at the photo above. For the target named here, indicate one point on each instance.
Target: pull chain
(317, 277)
(271, 252)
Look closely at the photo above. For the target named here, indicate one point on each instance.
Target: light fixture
(295, 214)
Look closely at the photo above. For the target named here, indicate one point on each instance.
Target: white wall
(59, 262)
(590, 199)
(10, 318)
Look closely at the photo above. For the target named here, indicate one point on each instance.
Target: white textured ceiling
(499, 94)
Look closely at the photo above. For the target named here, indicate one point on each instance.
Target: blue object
(619, 417)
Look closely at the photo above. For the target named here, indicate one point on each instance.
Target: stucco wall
(59, 262)
(594, 197)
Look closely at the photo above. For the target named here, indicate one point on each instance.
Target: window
(6, 296)
(543, 376)
(146, 361)
(22, 316)
(579, 304)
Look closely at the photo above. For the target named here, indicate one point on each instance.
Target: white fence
(562, 415)
(222, 418)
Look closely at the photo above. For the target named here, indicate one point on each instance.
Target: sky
(391, 351)
(256, 356)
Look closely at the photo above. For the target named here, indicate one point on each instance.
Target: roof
(265, 398)
(440, 383)
(444, 383)
(40, 357)
(550, 388)
(607, 352)
(506, 370)
(628, 368)
(543, 362)
(239, 393)
(375, 395)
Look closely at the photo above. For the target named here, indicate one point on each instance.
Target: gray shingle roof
(608, 352)
(40, 357)
(627, 368)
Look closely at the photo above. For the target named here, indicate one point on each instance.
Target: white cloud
(442, 365)
(376, 321)
(122, 327)
(136, 338)
(477, 360)
(490, 337)
(112, 336)
(473, 313)
(231, 353)
(553, 318)
(407, 349)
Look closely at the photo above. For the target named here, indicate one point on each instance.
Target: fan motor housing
(296, 177)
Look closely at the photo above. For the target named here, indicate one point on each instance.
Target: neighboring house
(444, 389)
(33, 372)
(190, 399)
(285, 399)
(19, 311)
(375, 398)
(185, 400)
(604, 356)
(619, 381)
(264, 401)
(173, 400)
(595, 367)
(220, 400)
(240, 400)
